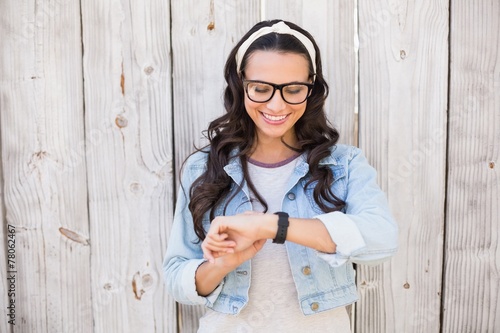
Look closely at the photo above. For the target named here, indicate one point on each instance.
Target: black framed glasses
(292, 93)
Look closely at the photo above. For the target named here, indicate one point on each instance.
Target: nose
(276, 103)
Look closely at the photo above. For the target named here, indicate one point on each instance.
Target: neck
(274, 151)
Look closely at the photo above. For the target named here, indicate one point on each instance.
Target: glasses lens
(295, 93)
(259, 92)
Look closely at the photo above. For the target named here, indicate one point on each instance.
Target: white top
(273, 304)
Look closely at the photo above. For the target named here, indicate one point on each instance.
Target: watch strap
(283, 224)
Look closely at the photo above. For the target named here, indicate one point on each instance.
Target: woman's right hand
(233, 260)
(210, 274)
(232, 234)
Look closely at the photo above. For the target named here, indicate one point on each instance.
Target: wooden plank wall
(5, 284)
(403, 66)
(471, 288)
(128, 123)
(101, 101)
(45, 190)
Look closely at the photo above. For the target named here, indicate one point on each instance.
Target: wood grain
(471, 281)
(403, 54)
(128, 126)
(6, 288)
(42, 127)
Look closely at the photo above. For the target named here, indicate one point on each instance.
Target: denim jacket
(364, 232)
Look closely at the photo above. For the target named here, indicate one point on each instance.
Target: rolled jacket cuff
(189, 285)
(345, 234)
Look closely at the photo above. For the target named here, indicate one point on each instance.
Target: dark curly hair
(236, 130)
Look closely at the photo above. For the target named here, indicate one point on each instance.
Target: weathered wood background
(100, 102)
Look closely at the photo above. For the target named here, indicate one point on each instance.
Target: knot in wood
(136, 188)
(147, 281)
(121, 121)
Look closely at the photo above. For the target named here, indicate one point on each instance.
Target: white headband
(279, 28)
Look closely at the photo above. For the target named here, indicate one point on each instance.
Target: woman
(273, 212)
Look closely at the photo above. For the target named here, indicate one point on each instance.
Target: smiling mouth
(274, 118)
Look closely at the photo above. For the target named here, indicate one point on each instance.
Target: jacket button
(306, 270)
(314, 306)
(291, 196)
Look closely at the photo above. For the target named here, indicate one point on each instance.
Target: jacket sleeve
(184, 254)
(367, 233)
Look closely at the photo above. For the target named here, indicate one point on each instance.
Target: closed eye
(295, 89)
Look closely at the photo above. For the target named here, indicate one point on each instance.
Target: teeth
(274, 118)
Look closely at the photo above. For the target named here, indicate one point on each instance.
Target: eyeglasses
(292, 93)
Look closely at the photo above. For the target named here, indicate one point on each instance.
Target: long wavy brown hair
(236, 130)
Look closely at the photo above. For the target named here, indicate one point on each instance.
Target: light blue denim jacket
(365, 233)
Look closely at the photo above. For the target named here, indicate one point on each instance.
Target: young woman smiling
(273, 212)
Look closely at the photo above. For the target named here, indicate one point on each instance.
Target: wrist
(269, 226)
(226, 263)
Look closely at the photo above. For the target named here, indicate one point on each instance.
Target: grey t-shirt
(273, 302)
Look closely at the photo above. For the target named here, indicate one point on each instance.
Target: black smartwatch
(283, 224)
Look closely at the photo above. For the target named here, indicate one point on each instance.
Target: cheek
(250, 106)
(299, 109)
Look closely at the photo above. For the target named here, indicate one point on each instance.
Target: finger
(219, 238)
(208, 255)
(215, 238)
(217, 225)
(219, 247)
(216, 230)
(222, 253)
(212, 244)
